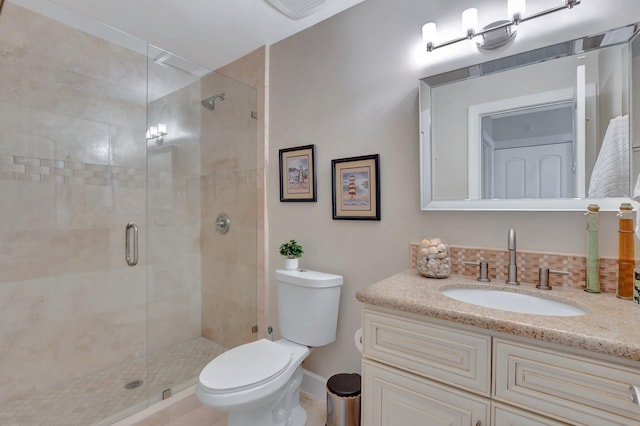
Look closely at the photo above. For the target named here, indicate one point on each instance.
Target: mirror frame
(555, 51)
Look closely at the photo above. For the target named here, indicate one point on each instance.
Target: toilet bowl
(258, 383)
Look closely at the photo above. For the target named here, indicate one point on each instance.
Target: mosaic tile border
(528, 264)
(32, 169)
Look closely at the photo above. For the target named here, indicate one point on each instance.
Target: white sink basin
(513, 302)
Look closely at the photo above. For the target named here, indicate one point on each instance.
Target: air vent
(297, 9)
(163, 57)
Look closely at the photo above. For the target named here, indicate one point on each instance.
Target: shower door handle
(131, 244)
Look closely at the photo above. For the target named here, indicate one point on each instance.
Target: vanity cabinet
(422, 371)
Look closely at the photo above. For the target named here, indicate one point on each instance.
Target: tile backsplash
(528, 263)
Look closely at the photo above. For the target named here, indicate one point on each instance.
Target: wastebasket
(343, 400)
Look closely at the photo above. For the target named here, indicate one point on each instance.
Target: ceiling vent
(297, 9)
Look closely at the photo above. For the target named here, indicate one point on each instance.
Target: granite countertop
(611, 326)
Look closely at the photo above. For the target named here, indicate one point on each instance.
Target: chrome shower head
(210, 103)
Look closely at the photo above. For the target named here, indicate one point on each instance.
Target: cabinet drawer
(568, 387)
(504, 415)
(453, 356)
(391, 397)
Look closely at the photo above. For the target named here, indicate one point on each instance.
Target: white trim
(581, 131)
(426, 165)
(314, 384)
(531, 204)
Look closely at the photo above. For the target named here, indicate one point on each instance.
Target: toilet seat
(245, 367)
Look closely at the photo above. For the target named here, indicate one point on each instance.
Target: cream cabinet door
(391, 397)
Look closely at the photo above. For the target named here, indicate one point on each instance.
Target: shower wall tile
(45, 332)
(39, 133)
(174, 301)
(68, 71)
(34, 254)
(126, 147)
(229, 182)
(13, 168)
(250, 70)
(21, 213)
(229, 307)
(229, 132)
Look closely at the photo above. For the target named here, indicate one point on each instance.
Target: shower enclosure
(115, 289)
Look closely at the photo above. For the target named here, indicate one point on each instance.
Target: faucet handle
(543, 277)
(483, 271)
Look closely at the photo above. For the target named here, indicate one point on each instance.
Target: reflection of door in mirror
(499, 131)
(528, 153)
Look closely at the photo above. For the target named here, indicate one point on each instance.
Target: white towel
(610, 176)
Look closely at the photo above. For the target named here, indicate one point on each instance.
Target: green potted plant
(291, 250)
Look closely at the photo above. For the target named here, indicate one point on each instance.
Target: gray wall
(349, 85)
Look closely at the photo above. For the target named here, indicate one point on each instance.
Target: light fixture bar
(567, 5)
(470, 34)
(447, 43)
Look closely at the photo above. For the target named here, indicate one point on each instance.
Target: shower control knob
(223, 223)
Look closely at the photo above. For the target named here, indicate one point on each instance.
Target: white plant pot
(291, 264)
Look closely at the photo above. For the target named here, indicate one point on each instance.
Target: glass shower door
(73, 340)
(201, 283)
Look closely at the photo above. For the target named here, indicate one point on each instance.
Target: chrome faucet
(512, 273)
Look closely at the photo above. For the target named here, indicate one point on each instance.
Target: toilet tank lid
(307, 278)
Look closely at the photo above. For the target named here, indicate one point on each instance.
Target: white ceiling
(211, 33)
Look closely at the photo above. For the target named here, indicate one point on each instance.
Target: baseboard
(314, 385)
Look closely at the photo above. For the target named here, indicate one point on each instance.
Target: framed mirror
(548, 129)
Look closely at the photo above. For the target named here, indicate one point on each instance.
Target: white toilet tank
(308, 304)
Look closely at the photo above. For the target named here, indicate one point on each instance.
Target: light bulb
(429, 35)
(470, 21)
(516, 9)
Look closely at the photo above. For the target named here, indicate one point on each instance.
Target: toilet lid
(245, 366)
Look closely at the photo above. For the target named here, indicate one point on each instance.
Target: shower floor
(101, 398)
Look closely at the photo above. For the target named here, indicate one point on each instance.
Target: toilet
(259, 383)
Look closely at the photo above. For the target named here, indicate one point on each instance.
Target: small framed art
(298, 174)
(356, 188)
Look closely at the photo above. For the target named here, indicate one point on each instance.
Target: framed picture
(298, 174)
(356, 188)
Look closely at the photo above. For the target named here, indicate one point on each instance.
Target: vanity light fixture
(157, 133)
(495, 34)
